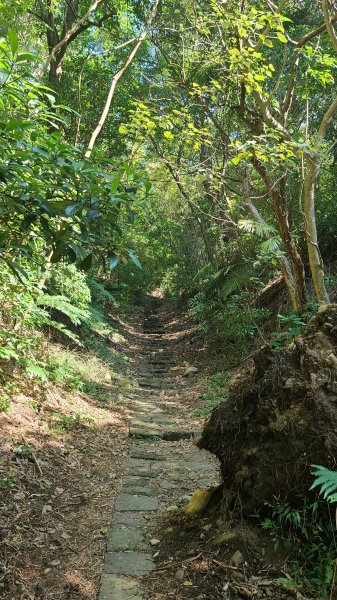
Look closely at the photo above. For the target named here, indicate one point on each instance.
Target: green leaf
(23, 57)
(113, 262)
(36, 371)
(73, 209)
(282, 38)
(17, 270)
(86, 263)
(131, 215)
(8, 353)
(13, 41)
(134, 259)
(169, 135)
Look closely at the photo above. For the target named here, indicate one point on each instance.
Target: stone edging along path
(159, 476)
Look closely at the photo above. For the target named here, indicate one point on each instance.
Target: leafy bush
(292, 325)
(67, 281)
(5, 404)
(232, 326)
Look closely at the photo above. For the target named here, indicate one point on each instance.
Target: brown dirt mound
(280, 418)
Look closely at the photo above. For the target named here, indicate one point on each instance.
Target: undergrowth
(307, 533)
(57, 336)
(217, 391)
(233, 326)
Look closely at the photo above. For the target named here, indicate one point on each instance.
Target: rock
(169, 530)
(237, 559)
(154, 542)
(125, 538)
(180, 574)
(172, 508)
(202, 536)
(185, 498)
(190, 371)
(225, 537)
(199, 502)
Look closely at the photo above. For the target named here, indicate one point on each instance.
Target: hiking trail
(163, 469)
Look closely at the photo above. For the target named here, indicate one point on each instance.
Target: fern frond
(236, 279)
(327, 481)
(63, 329)
(62, 304)
(272, 244)
(262, 230)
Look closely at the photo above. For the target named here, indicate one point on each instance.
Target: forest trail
(163, 469)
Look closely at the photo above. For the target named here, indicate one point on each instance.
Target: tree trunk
(295, 267)
(284, 262)
(315, 259)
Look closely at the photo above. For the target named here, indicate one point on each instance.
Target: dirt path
(163, 469)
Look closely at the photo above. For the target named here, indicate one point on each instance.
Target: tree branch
(118, 75)
(329, 23)
(72, 33)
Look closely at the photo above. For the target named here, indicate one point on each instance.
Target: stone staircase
(162, 471)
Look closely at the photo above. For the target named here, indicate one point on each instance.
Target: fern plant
(327, 480)
(272, 241)
(61, 303)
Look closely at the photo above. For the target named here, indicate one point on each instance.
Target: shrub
(66, 280)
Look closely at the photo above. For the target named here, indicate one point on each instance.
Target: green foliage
(63, 305)
(99, 294)
(69, 282)
(233, 326)
(307, 534)
(327, 481)
(66, 423)
(51, 196)
(217, 392)
(292, 325)
(6, 482)
(5, 403)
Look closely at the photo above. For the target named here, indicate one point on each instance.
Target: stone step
(145, 430)
(128, 563)
(116, 587)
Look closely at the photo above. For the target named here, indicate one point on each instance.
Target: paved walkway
(163, 469)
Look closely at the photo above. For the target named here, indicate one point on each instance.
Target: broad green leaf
(134, 259)
(13, 41)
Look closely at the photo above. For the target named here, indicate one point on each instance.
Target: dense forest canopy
(220, 113)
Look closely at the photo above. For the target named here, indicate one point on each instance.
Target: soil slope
(280, 418)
